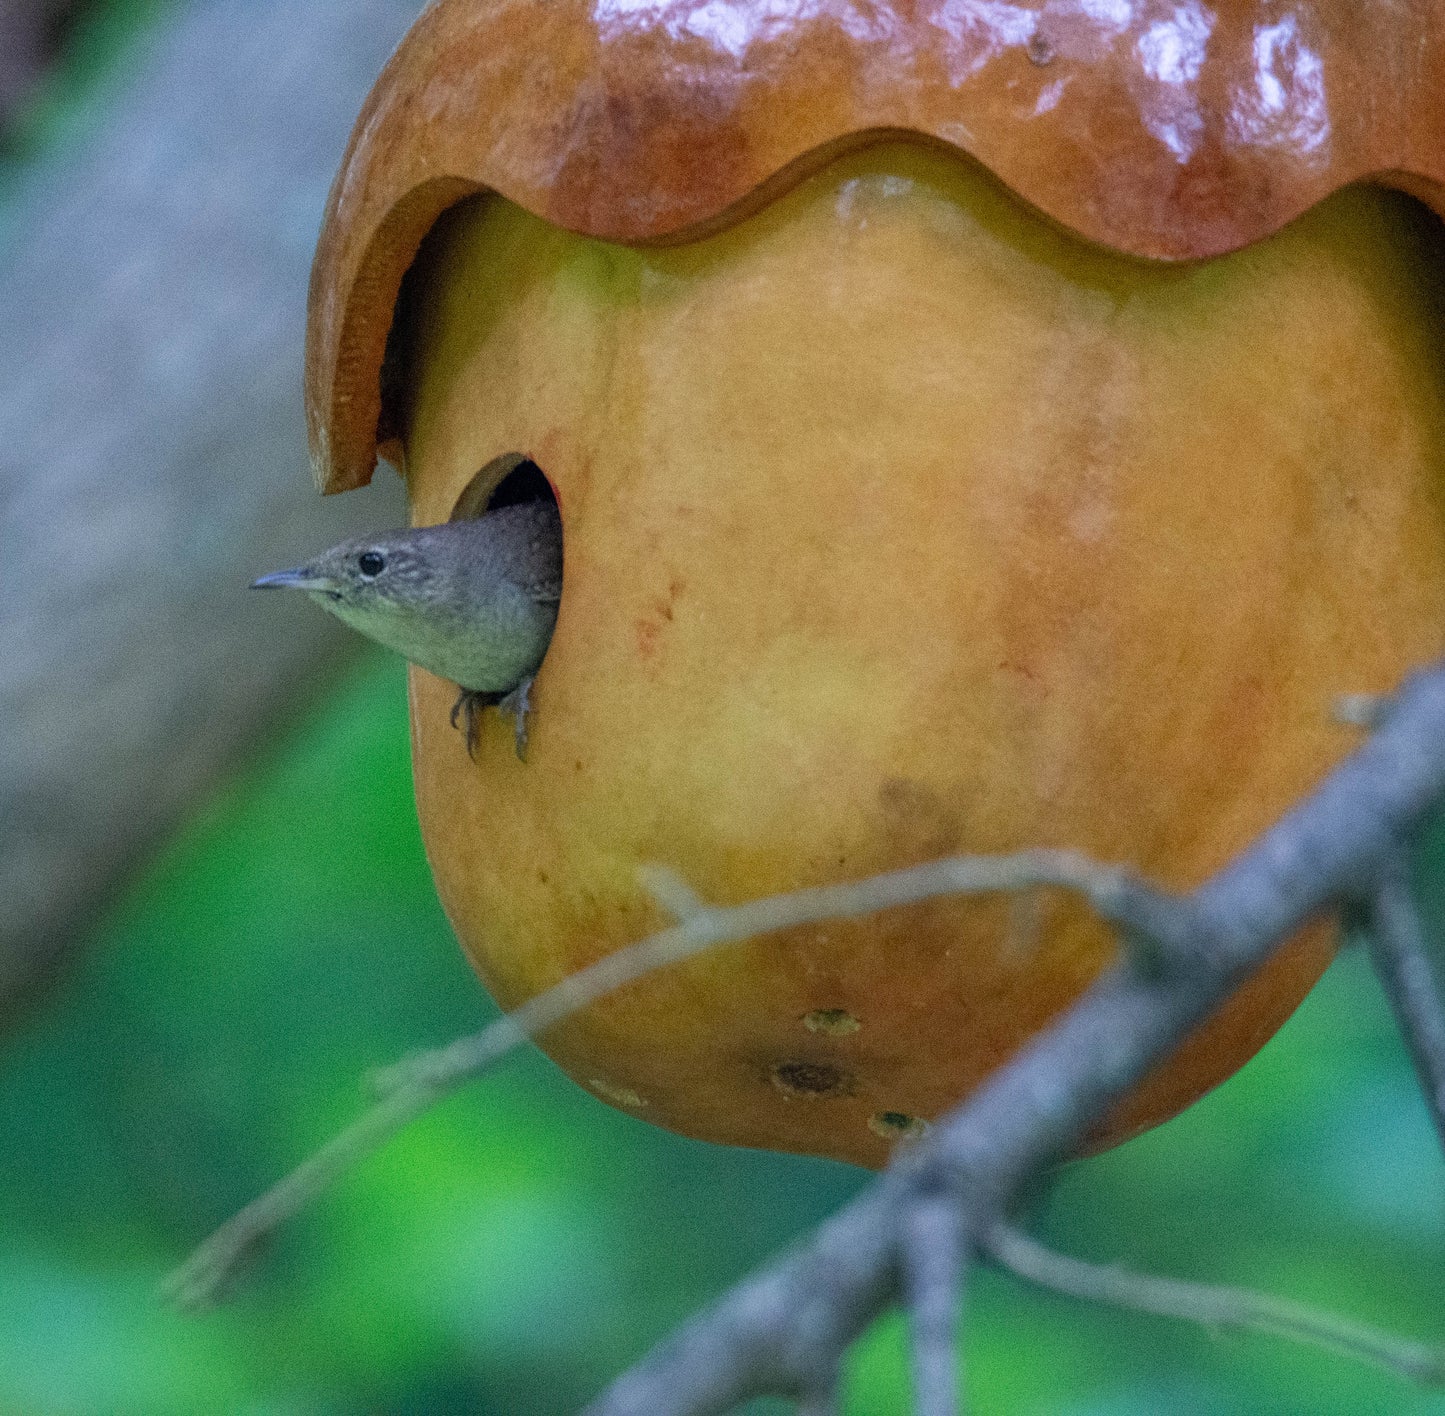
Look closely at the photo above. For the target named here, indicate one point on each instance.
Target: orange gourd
(976, 425)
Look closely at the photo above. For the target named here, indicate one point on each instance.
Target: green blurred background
(522, 1244)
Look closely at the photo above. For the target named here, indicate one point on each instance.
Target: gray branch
(152, 450)
(1329, 850)
(412, 1086)
(942, 1204)
(1397, 950)
(1210, 1305)
(935, 1259)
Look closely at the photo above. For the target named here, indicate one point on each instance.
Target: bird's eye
(371, 563)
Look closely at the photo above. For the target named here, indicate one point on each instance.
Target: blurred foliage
(524, 1242)
(98, 41)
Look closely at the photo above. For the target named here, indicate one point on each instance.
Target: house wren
(472, 601)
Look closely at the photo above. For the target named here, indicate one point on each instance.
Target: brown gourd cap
(1171, 130)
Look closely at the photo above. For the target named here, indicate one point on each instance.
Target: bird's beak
(303, 578)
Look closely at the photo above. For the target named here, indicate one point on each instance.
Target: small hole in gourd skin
(897, 1125)
(831, 1022)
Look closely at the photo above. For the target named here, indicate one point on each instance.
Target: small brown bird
(473, 601)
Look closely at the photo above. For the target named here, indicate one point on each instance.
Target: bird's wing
(522, 544)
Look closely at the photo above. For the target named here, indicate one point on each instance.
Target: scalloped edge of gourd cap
(1173, 131)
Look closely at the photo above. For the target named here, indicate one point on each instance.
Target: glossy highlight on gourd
(1175, 132)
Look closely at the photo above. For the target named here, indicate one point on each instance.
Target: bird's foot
(518, 703)
(470, 703)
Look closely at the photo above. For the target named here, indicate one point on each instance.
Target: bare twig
(415, 1084)
(204, 1276)
(785, 1329)
(1360, 710)
(1211, 1306)
(1399, 953)
(1039, 1105)
(671, 892)
(935, 1260)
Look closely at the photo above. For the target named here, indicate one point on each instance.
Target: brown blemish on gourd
(917, 818)
(811, 1080)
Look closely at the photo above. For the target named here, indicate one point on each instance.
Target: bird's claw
(517, 703)
(469, 705)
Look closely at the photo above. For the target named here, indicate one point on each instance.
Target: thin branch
(935, 1262)
(1114, 893)
(785, 1328)
(413, 1085)
(1360, 710)
(1400, 955)
(1039, 1105)
(205, 1275)
(671, 892)
(1211, 1306)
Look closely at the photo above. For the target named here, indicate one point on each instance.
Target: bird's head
(459, 598)
(374, 583)
(369, 573)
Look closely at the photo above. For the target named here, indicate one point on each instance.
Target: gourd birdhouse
(976, 426)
